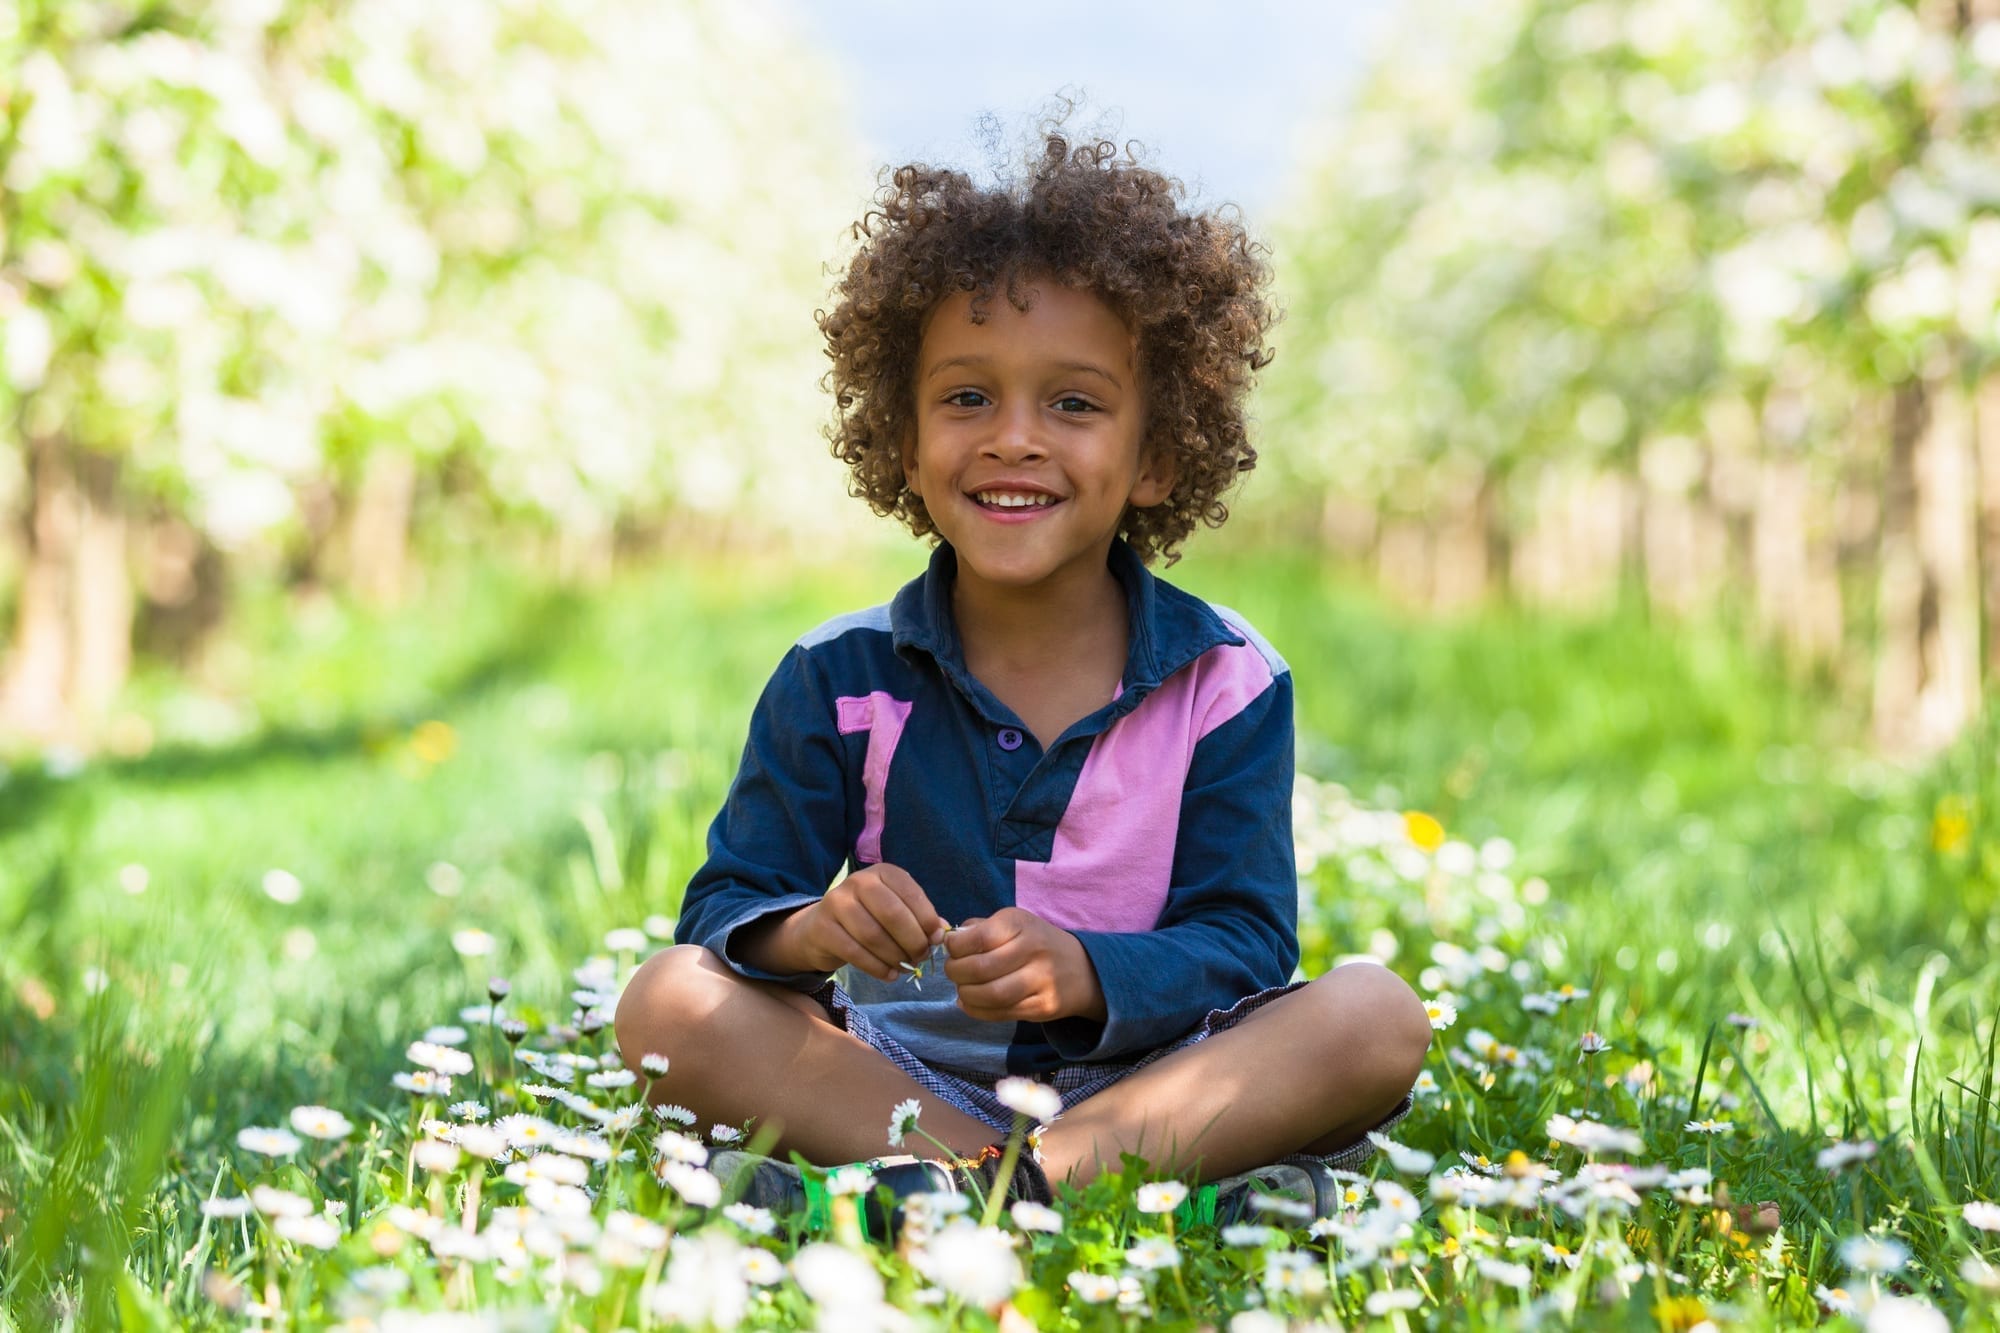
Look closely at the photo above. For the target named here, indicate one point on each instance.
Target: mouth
(1014, 502)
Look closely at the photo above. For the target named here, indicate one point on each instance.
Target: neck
(1021, 625)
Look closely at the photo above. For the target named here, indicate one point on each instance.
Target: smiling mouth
(1014, 501)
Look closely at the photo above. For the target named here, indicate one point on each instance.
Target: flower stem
(1005, 1177)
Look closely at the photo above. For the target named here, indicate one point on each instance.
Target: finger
(971, 937)
(867, 947)
(993, 1000)
(979, 968)
(899, 922)
(918, 903)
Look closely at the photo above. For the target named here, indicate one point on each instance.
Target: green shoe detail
(1198, 1209)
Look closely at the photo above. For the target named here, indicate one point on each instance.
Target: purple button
(1010, 739)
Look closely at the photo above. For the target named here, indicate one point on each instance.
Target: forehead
(1060, 323)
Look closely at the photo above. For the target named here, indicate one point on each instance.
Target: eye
(1080, 404)
(953, 399)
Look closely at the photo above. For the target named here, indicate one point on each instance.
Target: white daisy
(612, 1078)
(1248, 1235)
(675, 1147)
(1442, 1012)
(1410, 1161)
(1874, 1254)
(1031, 1216)
(226, 1207)
(1093, 1288)
(320, 1233)
(762, 1268)
(696, 1184)
(758, 1221)
(1843, 1155)
(320, 1122)
(439, 1059)
(1153, 1252)
(274, 1202)
(481, 1141)
(423, 1083)
(1709, 1127)
(1161, 1196)
(903, 1119)
(1037, 1101)
(1983, 1216)
(449, 1034)
(431, 1155)
(269, 1142)
(974, 1263)
(851, 1179)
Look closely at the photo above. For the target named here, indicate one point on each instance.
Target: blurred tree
(1658, 293)
(270, 269)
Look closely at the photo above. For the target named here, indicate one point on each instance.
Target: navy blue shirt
(1157, 829)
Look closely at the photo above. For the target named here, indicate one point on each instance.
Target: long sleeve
(1229, 927)
(782, 834)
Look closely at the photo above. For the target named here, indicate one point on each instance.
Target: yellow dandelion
(1424, 830)
(1951, 825)
(433, 741)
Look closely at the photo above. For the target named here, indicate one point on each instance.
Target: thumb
(969, 938)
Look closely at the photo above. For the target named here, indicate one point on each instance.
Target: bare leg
(1312, 1071)
(738, 1049)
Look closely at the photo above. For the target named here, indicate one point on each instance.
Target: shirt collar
(1168, 627)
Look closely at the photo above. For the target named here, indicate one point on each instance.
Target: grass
(1693, 837)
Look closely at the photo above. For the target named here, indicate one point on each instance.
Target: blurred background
(1683, 304)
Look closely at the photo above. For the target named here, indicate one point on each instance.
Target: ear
(1158, 471)
(909, 450)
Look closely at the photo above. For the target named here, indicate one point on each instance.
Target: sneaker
(1285, 1194)
(786, 1190)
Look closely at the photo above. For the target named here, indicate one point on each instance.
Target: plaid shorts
(973, 1093)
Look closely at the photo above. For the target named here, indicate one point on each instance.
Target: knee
(669, 999)
(1395, 1026)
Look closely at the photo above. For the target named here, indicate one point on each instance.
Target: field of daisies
(305, 993)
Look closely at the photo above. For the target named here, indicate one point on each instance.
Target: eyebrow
(979, 362)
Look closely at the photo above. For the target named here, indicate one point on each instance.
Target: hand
(875, 919)
(1015, 966)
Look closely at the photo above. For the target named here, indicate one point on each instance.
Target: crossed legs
(1312, 1070)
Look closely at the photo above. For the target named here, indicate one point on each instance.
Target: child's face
(1043, 404)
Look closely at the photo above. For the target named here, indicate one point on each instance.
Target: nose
(1017, 434)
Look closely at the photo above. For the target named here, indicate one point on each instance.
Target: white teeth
(1013, 500)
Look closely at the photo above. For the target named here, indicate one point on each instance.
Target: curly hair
(1191, 286)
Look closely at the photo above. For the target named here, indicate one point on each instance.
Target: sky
(1219, 90)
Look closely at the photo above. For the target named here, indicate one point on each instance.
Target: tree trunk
(101, 592)
(379, 533)
(31, 696)
(1778, 549)
(1986, 434)
(1947, 545)
(1403, 560)
(1900, 578)
(1463, 570)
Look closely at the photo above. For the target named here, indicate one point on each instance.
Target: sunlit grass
(1775, 932)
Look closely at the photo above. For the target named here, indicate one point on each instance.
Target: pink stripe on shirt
(1114, 849)
(882, 716)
